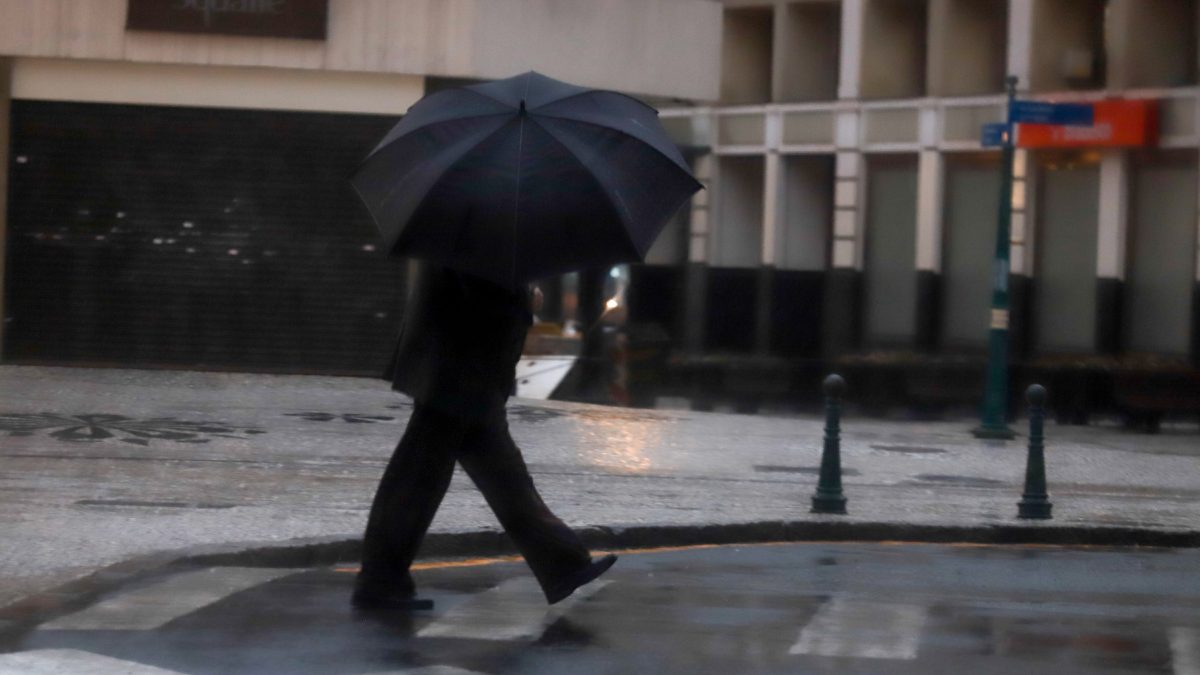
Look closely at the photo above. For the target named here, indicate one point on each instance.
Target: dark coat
(459, 343)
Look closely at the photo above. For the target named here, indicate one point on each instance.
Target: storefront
(197, 237)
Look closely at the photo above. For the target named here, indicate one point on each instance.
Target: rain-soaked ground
(100, 466)
(795, 608)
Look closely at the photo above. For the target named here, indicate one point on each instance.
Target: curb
(23, 615)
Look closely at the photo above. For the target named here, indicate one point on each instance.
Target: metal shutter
(195, 238)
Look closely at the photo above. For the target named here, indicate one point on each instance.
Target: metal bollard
(1035, 503)
(829, 498)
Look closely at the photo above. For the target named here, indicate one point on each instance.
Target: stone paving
(101, 465)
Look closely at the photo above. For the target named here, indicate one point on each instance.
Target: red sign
(1118, 123)
(304, 19)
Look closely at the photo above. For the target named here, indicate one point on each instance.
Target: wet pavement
(98, 466)
(816, 607)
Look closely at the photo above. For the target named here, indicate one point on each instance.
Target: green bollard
(1035, 503)
(829, 498)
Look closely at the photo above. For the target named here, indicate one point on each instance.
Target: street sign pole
(994, 423)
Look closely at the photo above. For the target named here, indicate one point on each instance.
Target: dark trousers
(418, 475)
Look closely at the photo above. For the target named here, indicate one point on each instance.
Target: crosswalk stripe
(863, 629)
(152, 606)
(513, 610)
(1185, 650)
(430, 670)
(68, 661)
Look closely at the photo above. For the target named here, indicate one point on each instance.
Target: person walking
(456, 357)
(493, 185)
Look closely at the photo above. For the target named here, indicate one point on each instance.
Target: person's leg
(408, 496)
(494, 462)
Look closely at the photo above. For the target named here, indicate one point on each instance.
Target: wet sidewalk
(814, 607)
(101, 466)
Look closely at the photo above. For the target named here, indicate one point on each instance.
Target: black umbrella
(524, 178)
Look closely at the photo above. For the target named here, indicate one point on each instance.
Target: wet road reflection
(816, 607)
(620, 446)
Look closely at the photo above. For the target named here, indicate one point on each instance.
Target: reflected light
(619, 444)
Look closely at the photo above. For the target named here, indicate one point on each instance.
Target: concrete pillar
(772, 222)
(1020, 237)
(5, 133)
(1020, 41)
(696, 272)
(850, 75)
(1021, 241)
(930, 180)
(840, 311)
(773, 195)
(1113, 228)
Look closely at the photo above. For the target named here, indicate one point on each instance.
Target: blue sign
(994, 134)
(1039, 112)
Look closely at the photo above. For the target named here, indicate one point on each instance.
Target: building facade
(176, 195)
(852, 210)
(175, 171)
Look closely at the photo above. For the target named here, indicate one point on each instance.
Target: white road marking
(1185, 650)
(430, 670)
(514, 610)
(863, 629)
(152, 606)
(72, 662)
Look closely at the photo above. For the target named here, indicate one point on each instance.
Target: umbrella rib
(477, 93)
(381, 147)
(428, 100)
(445, 170)
(585, 92)
(618, 131)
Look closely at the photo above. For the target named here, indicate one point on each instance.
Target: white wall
(656, 47)
(216, 87)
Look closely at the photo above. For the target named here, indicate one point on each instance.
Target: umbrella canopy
(524, 178)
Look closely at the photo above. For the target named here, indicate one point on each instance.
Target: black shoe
(378, 597)
(588, 574)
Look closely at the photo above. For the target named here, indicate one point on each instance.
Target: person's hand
(538, 299)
